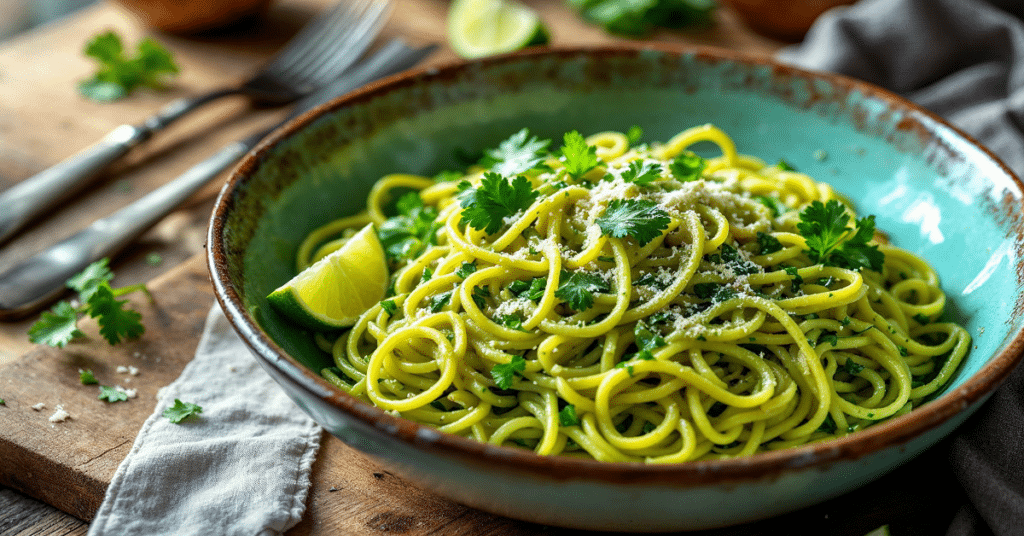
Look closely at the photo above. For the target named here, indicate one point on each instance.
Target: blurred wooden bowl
(189, 16)
(787, 20)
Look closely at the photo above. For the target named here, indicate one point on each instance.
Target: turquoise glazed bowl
(933, 189)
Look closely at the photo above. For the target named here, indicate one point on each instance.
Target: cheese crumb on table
(60, 415)
(39, 407)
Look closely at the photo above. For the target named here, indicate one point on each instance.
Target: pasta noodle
(710, 329)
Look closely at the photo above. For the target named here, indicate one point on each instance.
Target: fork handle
(31, 197)
(41, 278)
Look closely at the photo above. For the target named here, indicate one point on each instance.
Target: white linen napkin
(242, 467)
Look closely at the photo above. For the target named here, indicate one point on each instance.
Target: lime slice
(478, 28)
(333, 292)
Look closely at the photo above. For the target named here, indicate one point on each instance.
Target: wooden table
(43, 120)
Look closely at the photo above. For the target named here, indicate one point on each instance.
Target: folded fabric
(963, 59)
(242, 466)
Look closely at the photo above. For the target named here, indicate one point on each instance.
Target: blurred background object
(19, 15)
(190, 16)
(787, 20)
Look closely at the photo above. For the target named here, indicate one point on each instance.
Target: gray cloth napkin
(963, 59)
(241, 468)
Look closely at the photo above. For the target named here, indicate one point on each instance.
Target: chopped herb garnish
(406, 235)
(480, 295)
(59, 326)
(646, 341)
(784, 166)
(578, 157)
(510, 321)
(921, 319)
(639, 218)
(504, 373)
(852, 367)
(768, 243)
(827, 337)
(659, 318)
(577, 289)
(824, 227)
(389, 306)
(181, 411)
(567, 416)
(687, 166)
(427, 274)
(716, 292)
(642, 172)
(117, 74)
(828, 425)
(795, 274)
(497, 198)
(440, 301)
(466, 269)
(448, 176)
(773, 204)
(519, 153)
(532, 290)
(111, 395)
(87, 377)
(634, 134)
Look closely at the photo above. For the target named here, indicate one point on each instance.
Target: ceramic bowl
(934, 190)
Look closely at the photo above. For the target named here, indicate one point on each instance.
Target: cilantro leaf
(795, 274)
(824, 226)
(519, 153)
(411, 231)
(497, 198)
(642, 172)
(773, 204)
(56, 327)
(118, 75)
(647, 340)
(503, 374)
(634, 134)
(510, 321)
(111, 395)
(86, 281)
(687, 166)
(389, 306)
(567, 416)
(577, 289)
(466, 269)
(440, 301)
(532, 290)
(87, 377)
(852, 367)
(181, 411)
(116, 322)
(716, 292)
(579, 158)
(480, 295)
(640, 218)
(767, 243)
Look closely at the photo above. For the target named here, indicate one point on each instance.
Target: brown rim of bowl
(891, 433)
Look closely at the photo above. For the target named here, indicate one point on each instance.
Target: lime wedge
(880, 531)
(333, 292)
(478, 28)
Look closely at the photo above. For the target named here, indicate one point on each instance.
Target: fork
(39, 279)
(315, 56)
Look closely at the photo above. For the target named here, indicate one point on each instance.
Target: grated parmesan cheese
(60, 415)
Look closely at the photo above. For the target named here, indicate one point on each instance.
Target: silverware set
(327, 58)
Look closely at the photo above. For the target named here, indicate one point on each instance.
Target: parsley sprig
(830, 241)
(59, 326)
(486, 206)
(118, 74)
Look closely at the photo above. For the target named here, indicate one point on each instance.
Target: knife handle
(39, 279)
(31, 197)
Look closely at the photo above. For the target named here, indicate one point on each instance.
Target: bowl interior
(932, 191)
